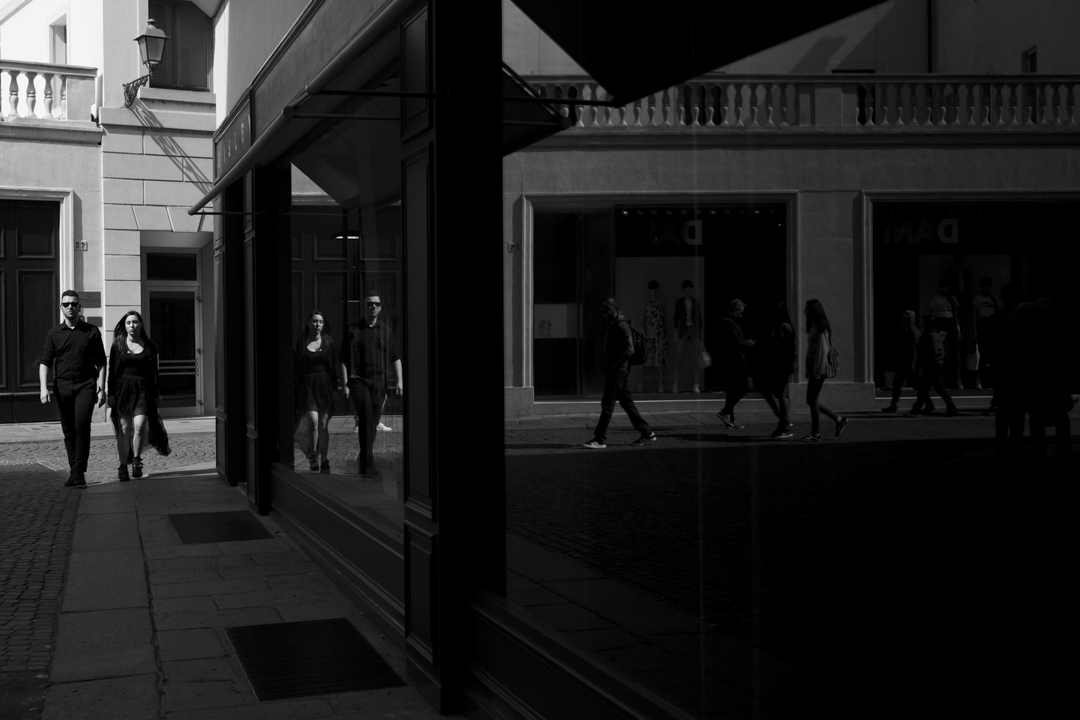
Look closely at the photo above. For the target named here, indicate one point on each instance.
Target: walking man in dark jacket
(931, 353)
(73, 349)
(618, 347)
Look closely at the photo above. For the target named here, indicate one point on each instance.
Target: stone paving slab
(103, 644)
(134, 697)
(105, 580)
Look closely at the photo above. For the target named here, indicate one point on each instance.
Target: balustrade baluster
(1048, 113)
(754, 102)
(1004, 103)
(884, 91)
(711, 101)
(727, 110)
(1060, 91)
(1074, 96)
(14, 97)
(63, 97)
(742, 108)
(918, 98)
(696, 98)
(31, 94)
(785, 104)
(48, 92)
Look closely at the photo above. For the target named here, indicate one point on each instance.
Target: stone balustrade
(859, 103)
(45, 92)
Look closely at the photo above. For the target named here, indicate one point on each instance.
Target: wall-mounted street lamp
(151, 48)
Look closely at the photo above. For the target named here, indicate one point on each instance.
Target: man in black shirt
(618, 347)
(74, 351)
(364, 361)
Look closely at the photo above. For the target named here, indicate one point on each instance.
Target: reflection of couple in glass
(362, 365)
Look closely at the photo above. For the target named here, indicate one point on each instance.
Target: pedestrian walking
(314, 381)
(774, 360)
(75, 353)
(618, 347)
(945, 310)
(365, 359)
(931, 360)
(133, 395)
(983, 307)
(907, 342)
(819, 366)
(734, 370)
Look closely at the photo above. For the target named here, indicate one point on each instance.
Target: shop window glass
(347, 265)
(172, 266)
(186, 62)
(627, 553)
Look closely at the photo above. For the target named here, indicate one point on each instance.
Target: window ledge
(150, 95)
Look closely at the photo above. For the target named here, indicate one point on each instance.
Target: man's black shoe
(71, 480)
(80, 479)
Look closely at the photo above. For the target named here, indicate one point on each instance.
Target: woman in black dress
(314, 381)
(133, 395)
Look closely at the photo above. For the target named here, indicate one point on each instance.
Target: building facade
(104, 188)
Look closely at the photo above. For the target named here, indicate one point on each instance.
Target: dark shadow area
(880, 576)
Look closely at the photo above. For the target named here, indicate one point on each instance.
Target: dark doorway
(29, 296)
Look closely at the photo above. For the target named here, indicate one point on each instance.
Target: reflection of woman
(819, 342)
(314, 369)
(133, 395)
(652, 325)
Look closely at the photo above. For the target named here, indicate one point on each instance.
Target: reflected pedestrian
(365, 359)
(734, 370)
(906, 355)
(945, 310)
(930, 360)
(818, 368)
(76, 354)
(313, 366)
(134, 394)
(983, 306)
(618, 347)
(775, 359)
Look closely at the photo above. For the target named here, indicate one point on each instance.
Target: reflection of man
(983, 306)
(687, 333)
(364, 360)
(618, 347)
(74, 351)
(945, 310)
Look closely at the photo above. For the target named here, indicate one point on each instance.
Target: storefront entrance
(172, 298)
(972, 249)
(652, 258)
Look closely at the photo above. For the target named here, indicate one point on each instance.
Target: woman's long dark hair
(120, 332)
(815, 316)
(328, 338)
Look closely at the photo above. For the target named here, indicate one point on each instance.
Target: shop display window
(346, 290)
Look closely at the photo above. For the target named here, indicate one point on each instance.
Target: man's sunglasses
(73, 303)
(372, 303)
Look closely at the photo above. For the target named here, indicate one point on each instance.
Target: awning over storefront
(633, 54)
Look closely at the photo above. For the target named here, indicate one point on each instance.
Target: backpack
(638, 356)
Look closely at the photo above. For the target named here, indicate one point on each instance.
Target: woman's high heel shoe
(122, 473)
(136, 467)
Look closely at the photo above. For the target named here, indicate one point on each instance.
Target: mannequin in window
(652, 325)
(687, 335)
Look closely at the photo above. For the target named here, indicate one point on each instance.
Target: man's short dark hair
(612, 301)
(70, 293)
(371, 294)
(687, 284)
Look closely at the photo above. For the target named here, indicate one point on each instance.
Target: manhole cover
(315, 657)
(218, 527)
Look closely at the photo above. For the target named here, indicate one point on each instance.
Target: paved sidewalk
(141, 628)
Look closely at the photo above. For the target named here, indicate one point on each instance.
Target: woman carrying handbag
(822, 361)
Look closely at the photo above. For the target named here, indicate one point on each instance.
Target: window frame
(176, 38)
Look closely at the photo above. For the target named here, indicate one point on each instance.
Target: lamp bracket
(131, 89)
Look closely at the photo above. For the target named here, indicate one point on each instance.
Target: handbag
(832, 360)
(704, 359)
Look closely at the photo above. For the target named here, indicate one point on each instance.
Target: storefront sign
(233, 140)
(922, 231)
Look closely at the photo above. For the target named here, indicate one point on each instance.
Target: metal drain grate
(314, 657)
(218, 527)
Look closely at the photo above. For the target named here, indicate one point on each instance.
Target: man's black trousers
(368, 401)
(76, 412)
(615, 389)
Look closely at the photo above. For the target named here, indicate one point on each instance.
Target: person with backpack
(620, 348)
